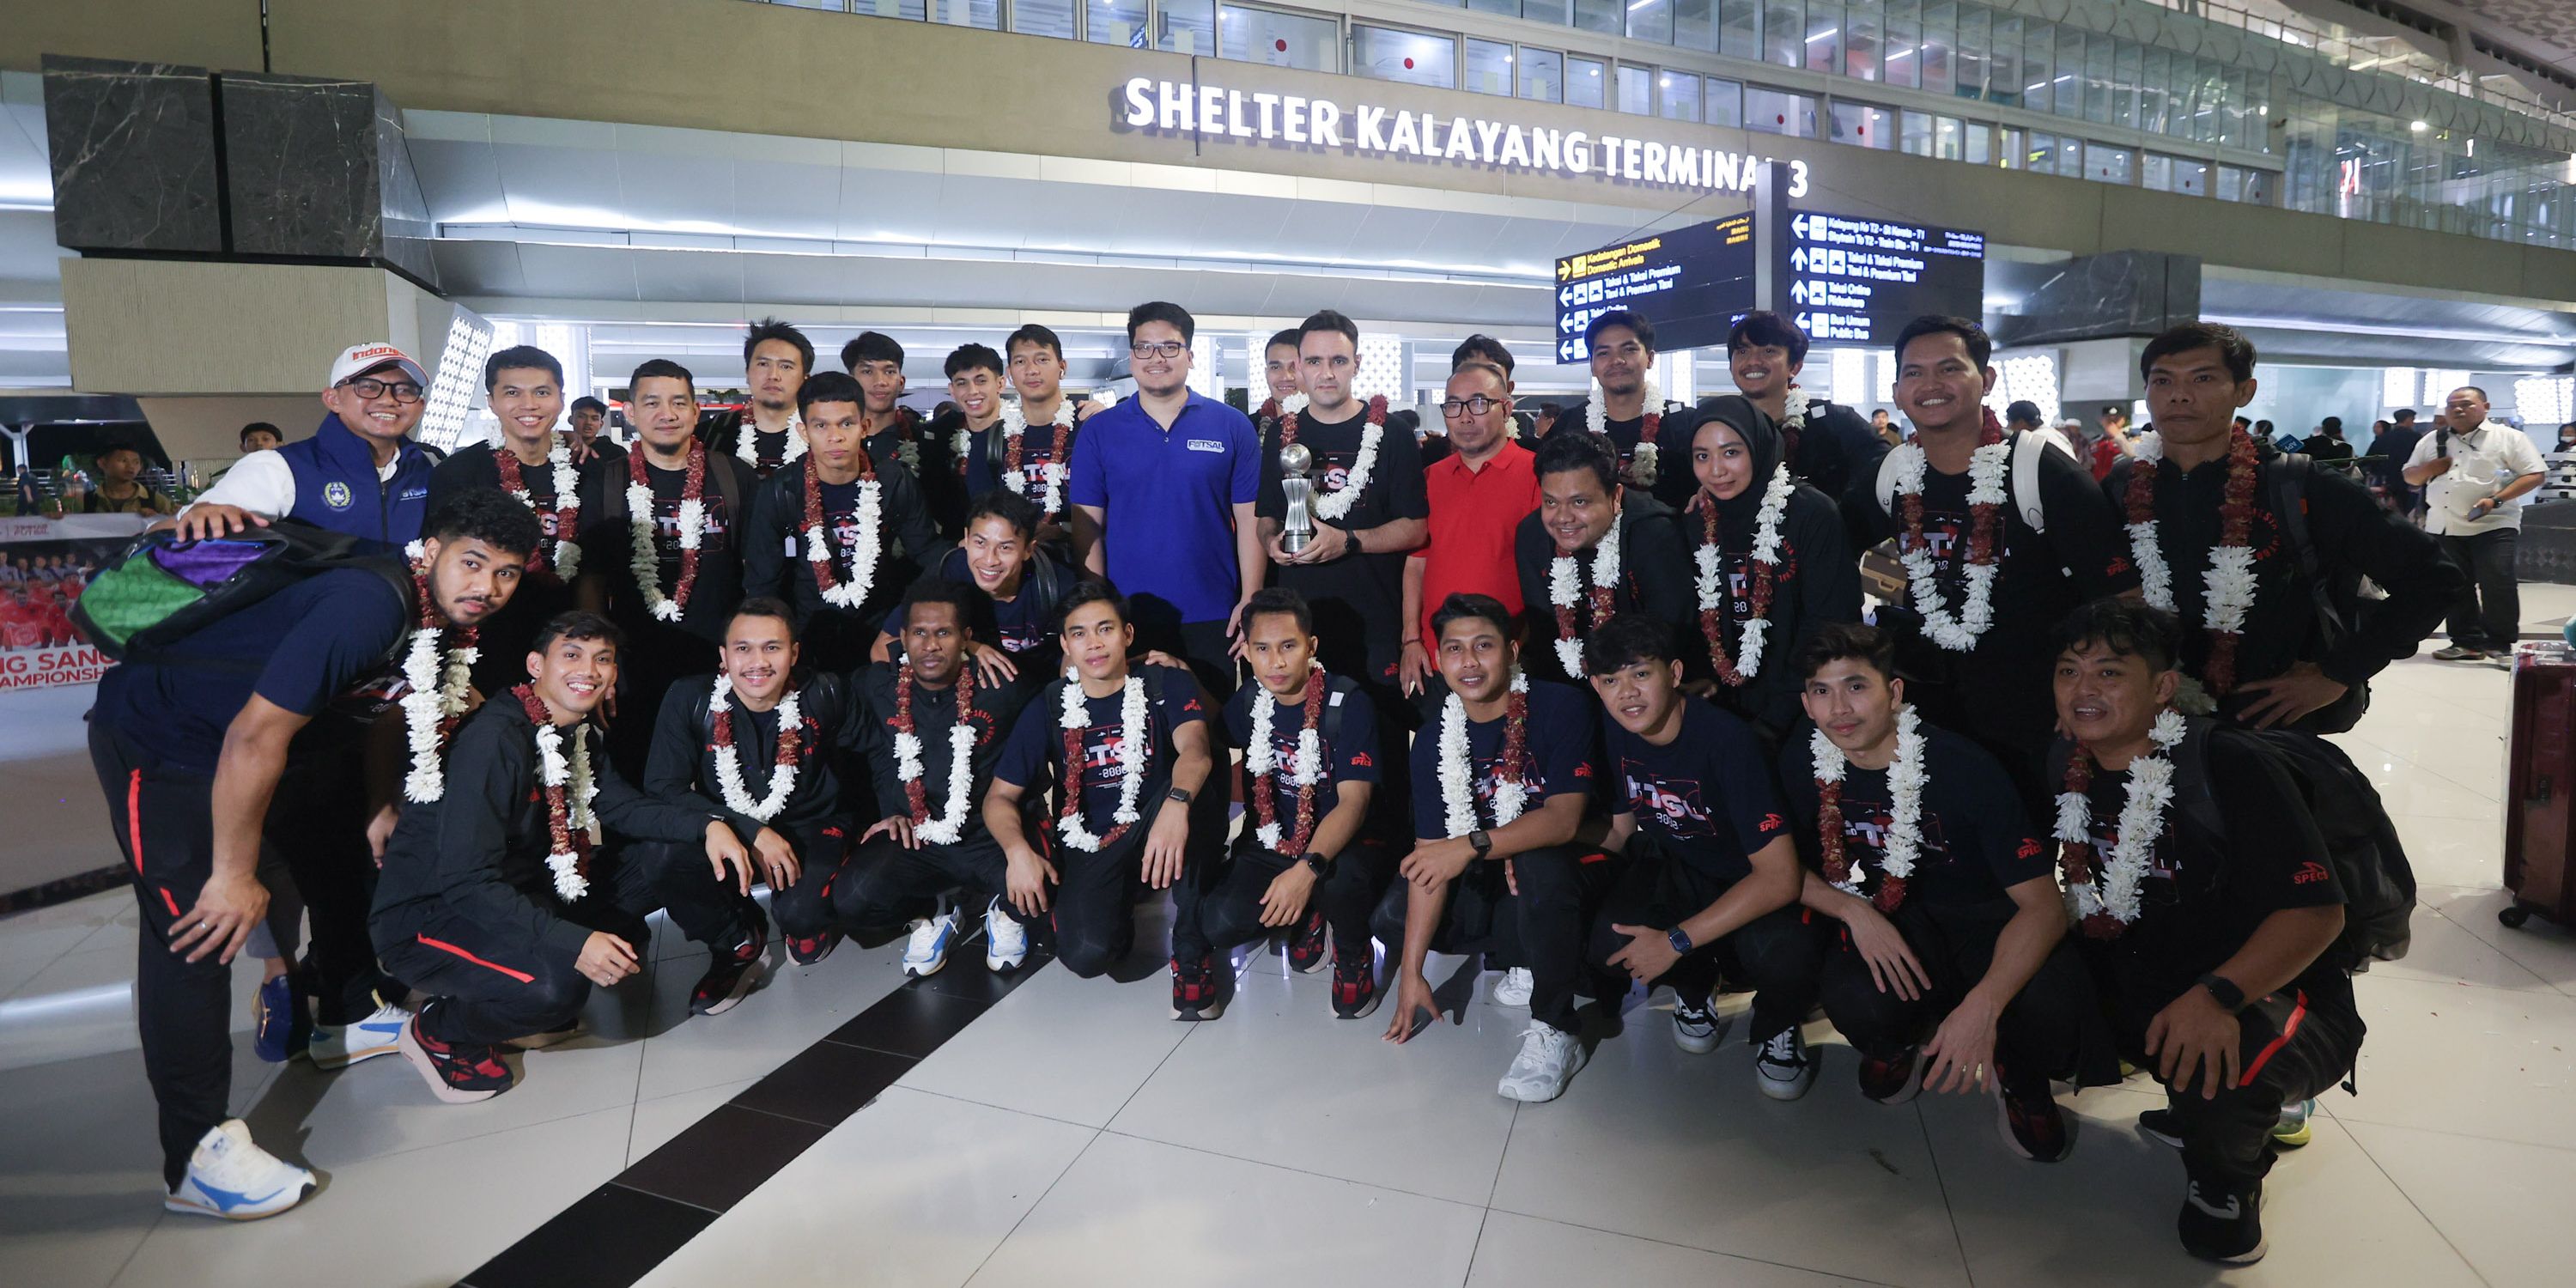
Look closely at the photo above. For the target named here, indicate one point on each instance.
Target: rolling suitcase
(2540, 800)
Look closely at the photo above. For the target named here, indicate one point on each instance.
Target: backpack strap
(997, 455)
(2027, 451)
(1887, 481)
(1331, 723)
(2289, 473)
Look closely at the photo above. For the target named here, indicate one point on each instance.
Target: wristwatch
(1180, 794)
(1319, 865)
(1680, 940)
(2230, 998)
(1481, 841)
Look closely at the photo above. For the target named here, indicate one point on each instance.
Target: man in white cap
(359, 474)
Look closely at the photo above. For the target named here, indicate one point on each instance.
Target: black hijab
(1761, 439)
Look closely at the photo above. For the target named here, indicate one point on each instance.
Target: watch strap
(1680, 940)
(2224, 991)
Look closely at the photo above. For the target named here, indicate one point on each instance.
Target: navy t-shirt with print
(1035, 756)
(1347, 743)
(1977, 841)
(1563, 738)
(1705, 798)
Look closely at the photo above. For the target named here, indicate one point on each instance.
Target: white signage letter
(1328, 124)
(1140, 101)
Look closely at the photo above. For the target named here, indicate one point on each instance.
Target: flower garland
(1712, 580)
(1985, 503)
(1795, 409)
(433, 699)
(782, 766)
(1596, 417)
(566, 554)
(1132, 752)
(951, 824)
(2228, 583)
(1905, 780)
(1260, 757)
(1275, 408)
(2104, 902)
(1015, 429)
(1457, 790)
(645, 555)
(1565, 591)
(1331, 506)
(746, 445)
(907, 448)
(871, 544)
(571, 829)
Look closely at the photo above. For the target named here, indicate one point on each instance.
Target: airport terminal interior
(220, 217)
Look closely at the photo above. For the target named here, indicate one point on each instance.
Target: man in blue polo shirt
(1163, 488)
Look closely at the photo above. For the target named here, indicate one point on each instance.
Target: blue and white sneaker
(337, 1046)
(231, 1178)
(1006, 942)
(273, 1041)
(928, 949)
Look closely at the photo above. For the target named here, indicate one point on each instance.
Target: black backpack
(2369, 861)
(159, 589)
(2337, 601)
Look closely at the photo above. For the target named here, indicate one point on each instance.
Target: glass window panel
(1862, 125)
(1651, 20)
(1113, 22)
(986, 14)
(1416, 58)
(2155, 173)
(2231, 117)
(1677, 95)
(1043, 18)
(909, 10)
(1864, 22)
(1636, 90)
(2231, 183)
(1189, 26)
(2041, 155)
(1772, 111)
(2099, 55)
(2124, 85)
(1542, 75)
(2191, 177)
(2012, 148)
(1943, 71)
(2106, 164)
(1695, 24)
(1784, 32)
(2038, 63)
(1489, 67)
(1725, 102)
(1269, 36)
(2004, 78)
(1507, 8)
(1946, 137)
(1739, 28)
(1914, 133)
(1904, 61)
(2152, 91)
(1977, 143)
(2068, 83)
(2258, 188)
(1555, 13)
(1603, 16)
(2070, 156)
(1585, 86)
(1824, 35)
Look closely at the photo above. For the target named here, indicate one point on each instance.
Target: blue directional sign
(1855, 280)
(1691, 283)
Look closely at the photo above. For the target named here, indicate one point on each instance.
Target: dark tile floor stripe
(617, 1233)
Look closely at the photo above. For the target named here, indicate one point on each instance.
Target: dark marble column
(133, 148)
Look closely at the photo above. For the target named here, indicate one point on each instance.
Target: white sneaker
(1782, 1068)
(1549, 1056)
(337, 1046)
(231, 1178)
(1696, 1024)
(928, 949)
(1006, 942)
(1514, 987)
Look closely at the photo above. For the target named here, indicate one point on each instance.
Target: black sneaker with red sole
(1355, 990)
(806, 950)
(457, 1074)
(730, 975)
(2032, 1124)
(1306, 953)
(1894, 1080)
(1194, 990)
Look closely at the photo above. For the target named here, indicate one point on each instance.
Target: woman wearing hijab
(1772, 561)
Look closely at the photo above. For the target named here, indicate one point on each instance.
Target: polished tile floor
(1068, 1133)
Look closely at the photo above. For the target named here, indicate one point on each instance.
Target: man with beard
(1478, 495)
(535, 464)
(1365, 501)
(490, 903)
(760, 747)
(1825, 443)
(939, 731)
(662, 552)
(855, 523)
(200, 749)
(1030, 451)
(776, 358)
(1594, 550)
(1648, 434)
(2289, 643)
(1013, 624)
(2000, 535)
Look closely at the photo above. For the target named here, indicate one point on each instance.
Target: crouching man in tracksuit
(488, 902)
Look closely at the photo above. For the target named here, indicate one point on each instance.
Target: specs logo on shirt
(2029, 848)
(1207, 445)
(2310, 873)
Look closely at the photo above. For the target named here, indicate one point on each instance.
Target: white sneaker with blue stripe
(337, 1046)
(928, 949)
(231, 1178)
(1006, 942)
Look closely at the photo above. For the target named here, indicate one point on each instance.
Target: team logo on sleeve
(335, 494)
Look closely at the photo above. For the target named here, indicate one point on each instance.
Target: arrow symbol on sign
(1798, 292)
(1564, 270)
(1567, 323)
(1567, 350)
(1798, 259)
(1565, 296)
(1802, 321)
(1798, 225)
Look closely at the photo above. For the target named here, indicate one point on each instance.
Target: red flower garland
(1265, 806)
(2235, 526)
(1653, 424)
(2075, 859)
(567, 510)
(561, 836)
(825, 578)
(430, 620)
(1011, 450)
(1981, 530)
(693, 490)
(1711, 622)
(1829, 830)
(720, 734)
(1288, 424)
(1073, 785)
(1598, 601)
(916, 794)
(1516, 752)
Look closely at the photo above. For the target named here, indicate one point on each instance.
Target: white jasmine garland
(2227, 584)
(432, 694)
(1293, 403)
(1131, 759)
(852, 591)
(1905, 780)
(746, 446)
(729, 780)
(567, 553)
(1766, 550)
(1331, 506)
(1797, 409)
(2114, 888)
(1259, 757)
(1596, 418)
(1959, 633)
(1565, 589)
(1015, 421)
(1457, 771)
(573, 774)
(951, 823)
(646, 559)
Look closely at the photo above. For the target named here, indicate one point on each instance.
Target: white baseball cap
(359, 359)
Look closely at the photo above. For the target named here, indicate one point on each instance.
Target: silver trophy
(1299, 530)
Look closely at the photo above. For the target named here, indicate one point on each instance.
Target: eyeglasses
(1476, 406)
(370, 387)
(1166, 349)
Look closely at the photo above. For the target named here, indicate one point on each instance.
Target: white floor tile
(1524, 1252)
(82, 1003)
(793, 1007)
(1059, 1047)
(2444, 951)
(2453, 851)
(2476, 1061)
(2539, 944)
(913, 1191)
(1134, 1212)
(2502, 1205)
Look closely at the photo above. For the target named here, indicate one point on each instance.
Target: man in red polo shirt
(1479, 494)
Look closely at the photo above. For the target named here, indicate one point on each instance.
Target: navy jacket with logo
(336, 486)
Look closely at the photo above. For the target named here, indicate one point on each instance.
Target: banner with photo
(45, 564)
